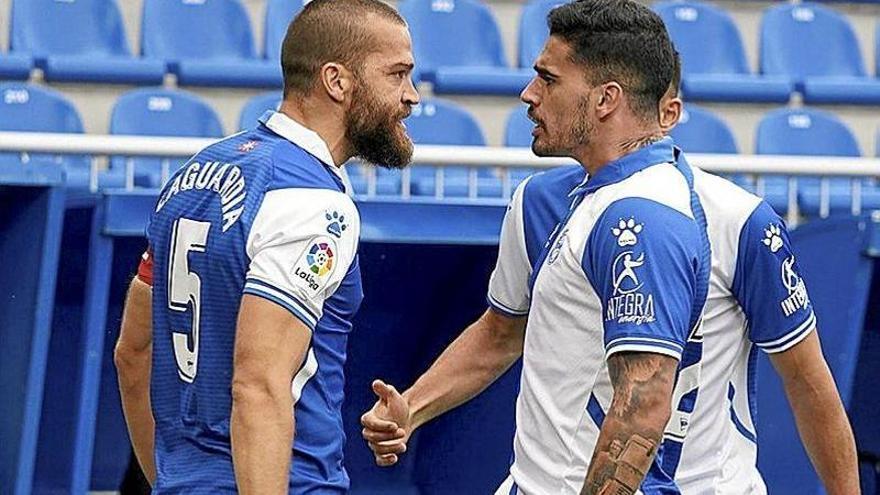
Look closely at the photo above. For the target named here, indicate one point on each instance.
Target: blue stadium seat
(818, 133)
(357, 179)
(817, 48)
(518, 134)
(206, 43)
(279, 13)
(436, 121)
(15, 66)
(701, 131)
(877, 48)
(160, 112)
(713, 58)
(877, 143)
(457, 47)
(518, 130)
(533, 30)
(82, 40)
(256, 106)
(29, 108)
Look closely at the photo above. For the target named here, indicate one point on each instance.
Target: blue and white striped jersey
(752, 261)
(263, 212)
(626, 270)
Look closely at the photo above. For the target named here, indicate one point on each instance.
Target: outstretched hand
(388, 425)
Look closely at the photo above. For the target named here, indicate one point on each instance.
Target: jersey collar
(301, 136)
(660, 152)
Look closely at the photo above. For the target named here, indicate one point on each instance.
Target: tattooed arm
(634, 424)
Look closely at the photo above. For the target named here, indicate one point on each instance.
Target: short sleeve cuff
(644, 344)
(505, 309)
(282, 298)
(791, 338)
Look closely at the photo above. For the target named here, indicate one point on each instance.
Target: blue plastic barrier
(425, 268)
(31, 210)
(450, 245)
(79, 443)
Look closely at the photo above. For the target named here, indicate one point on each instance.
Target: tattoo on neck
(631, 145)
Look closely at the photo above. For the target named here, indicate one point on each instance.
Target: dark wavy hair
(622, 41)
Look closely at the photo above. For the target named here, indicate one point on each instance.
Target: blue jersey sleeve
(768, 284)
(642, 259)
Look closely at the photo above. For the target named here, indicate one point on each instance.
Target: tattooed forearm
(633, 427)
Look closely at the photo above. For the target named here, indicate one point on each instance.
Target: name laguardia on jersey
(224, 179)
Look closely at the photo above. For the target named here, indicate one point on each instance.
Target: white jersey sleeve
(300, 247)
(509, 284)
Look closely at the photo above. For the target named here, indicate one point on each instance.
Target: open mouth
(537, 128)
(538, 124)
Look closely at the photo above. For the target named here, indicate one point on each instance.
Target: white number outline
(185, 291)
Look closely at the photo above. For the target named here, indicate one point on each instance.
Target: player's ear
(608, 98)
(336, 80)
(670, 113)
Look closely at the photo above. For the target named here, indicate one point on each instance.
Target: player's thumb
(384, 391)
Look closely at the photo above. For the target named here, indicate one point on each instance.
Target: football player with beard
(234, 332)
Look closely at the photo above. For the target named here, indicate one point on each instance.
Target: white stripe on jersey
(305, 374)
(805, 327)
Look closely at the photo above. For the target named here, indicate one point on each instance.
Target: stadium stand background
(95, 101)
(435, 465)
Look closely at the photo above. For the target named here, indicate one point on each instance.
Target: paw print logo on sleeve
(626, 232)
(336, 225)
(773, 238)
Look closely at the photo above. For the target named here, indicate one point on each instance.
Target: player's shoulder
(263, 153)
(224, 168)
(726, 203)
(241, 147)
(557, 178)
(656, 186)
(297, 182)
(305, 210)
(309, 201)
(552, 185)
(294, 167)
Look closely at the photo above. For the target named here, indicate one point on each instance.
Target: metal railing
(472, 156)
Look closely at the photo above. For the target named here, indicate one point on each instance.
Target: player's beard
(562, 142)
(375, 132)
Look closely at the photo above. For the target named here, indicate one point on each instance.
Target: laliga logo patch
(773, 237)
(316, 263)
(626, 231)
(320, 258)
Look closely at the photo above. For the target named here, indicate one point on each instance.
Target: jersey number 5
(185, 291)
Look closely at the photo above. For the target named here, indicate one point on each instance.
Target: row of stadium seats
(164, 112)
(204, 43)
(805, 47)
